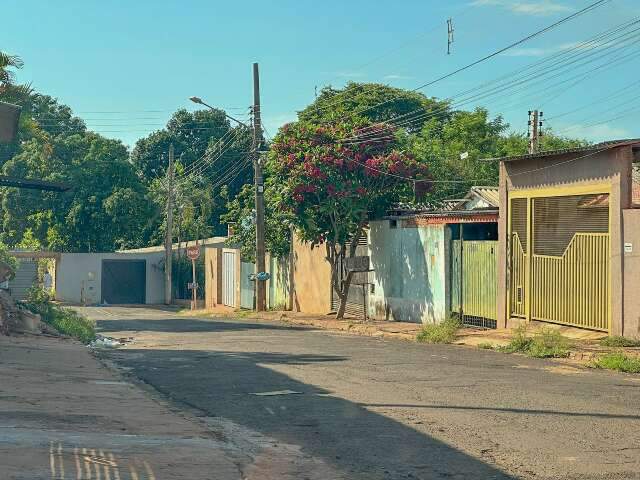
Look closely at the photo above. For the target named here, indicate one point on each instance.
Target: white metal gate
(25, 278)
(229, 279)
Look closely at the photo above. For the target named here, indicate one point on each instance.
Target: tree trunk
(344, 296)
(343, 292)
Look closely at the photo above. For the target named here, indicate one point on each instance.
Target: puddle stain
(93, 464)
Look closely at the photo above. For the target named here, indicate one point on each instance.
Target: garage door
(124, 281)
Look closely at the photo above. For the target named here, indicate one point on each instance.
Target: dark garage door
(124, 281)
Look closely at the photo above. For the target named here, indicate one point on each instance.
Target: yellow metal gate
(474, 281)
(560, 272)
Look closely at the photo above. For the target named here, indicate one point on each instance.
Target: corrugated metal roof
(489, 194)
(586, 149)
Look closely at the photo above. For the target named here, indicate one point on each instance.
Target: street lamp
(199, 101)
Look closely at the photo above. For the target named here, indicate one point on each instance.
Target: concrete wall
(410, 267)
(311, 279)
(611, 167)
(278, 285)
(82, 272)
(631, 223)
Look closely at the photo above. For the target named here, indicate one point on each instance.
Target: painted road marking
(98, 465)
(276, 392)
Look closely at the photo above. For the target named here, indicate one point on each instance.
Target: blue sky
(125, 66)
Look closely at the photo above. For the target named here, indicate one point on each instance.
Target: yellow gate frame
(530, 194)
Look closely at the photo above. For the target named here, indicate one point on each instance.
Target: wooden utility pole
(261, 297)
(535, 123)
(168, 237)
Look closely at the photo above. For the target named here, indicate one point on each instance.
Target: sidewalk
(65, 416)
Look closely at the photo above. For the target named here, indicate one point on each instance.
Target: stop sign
(193, 252)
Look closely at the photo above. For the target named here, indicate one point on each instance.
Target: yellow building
(569, 230)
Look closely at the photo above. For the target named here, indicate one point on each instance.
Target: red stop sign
(193, 252)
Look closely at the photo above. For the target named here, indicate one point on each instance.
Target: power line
(537, 33)
(418, 114)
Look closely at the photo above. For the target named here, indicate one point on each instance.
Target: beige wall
(631, 326)
(212, 276)
(612, 167)
(311, 279)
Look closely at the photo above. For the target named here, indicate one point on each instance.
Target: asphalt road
(365, 408)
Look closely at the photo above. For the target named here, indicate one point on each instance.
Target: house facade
(569, 235)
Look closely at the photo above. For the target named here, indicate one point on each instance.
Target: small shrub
(65, 320)
(486, 346)
(519, 343)
(617, 341)
(444, 332)
(11, 261)
(547, 343)
(618, 361)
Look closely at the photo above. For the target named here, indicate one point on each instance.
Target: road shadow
(186, 325)
(359, 443)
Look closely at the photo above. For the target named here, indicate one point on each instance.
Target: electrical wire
(519, 42)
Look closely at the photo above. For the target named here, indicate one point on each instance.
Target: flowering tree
(332, 178)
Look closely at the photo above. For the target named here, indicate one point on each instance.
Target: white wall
(76, 272)
(409, 272)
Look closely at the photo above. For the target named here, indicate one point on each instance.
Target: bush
(618, 361)
(444, 332)
(65, 320)
(617, 341)
(8, 259)
(519, 343)
(547, 343)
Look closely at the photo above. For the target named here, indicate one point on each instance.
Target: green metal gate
(474, 281)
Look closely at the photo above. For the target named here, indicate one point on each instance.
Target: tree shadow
(186, 325)
(357, 442)
(405, 287)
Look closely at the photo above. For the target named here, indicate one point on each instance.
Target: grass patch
(617, 341)
(444, 332)
(485, 346)
(618, 361)
(547, 343)
(519, 343)
(243, 313)
(65, 320)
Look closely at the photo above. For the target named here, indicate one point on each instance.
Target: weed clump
(444, 332)
(617, 341)
(547, 343)
(618, 361)
(64, 320)
(486, 346)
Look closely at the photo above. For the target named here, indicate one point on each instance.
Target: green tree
(103, 211)
(241, 213)
(331, 186)
(458, 151)
(375, 103)
(207, 149)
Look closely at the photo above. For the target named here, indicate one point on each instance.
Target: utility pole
(168, 237)
(261, 297)
(534, 130)
(449, 35)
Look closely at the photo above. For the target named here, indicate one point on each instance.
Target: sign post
(193, 252)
